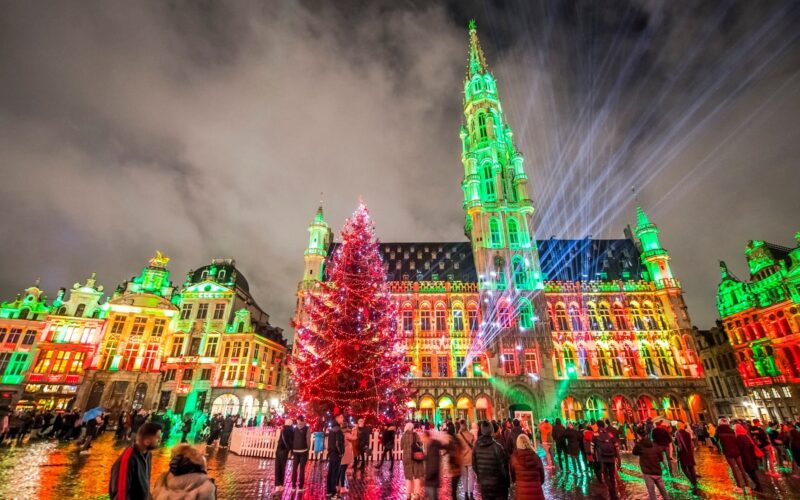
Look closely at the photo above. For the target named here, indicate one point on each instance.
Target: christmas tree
(350, 355)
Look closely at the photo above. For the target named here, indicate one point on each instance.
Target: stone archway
(226, 404)
(96, 395)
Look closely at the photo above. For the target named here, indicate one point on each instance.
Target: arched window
(649, 317)
(23, 313)
(616, 363)
(649, 367)
(636, 314)
(602, 361)
(495, 234)
(513, 233)
(569, 360)
(525, 314)
(482, 126)
(561, 317)
(591, 313)
(620, 318)
(661, 317)
(488, 182)
(520, 273)
(80, 310)
(630, 361)
(575, 318)
(605, 317)
(504, 314)
(584, 361)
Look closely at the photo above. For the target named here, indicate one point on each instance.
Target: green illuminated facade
(761, 317)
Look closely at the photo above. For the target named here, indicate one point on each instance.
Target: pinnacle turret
(477, 61)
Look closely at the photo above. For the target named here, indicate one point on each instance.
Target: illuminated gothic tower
(319, 240)
(656, 259)
(499, 222)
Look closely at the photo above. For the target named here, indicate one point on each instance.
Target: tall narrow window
(513, 233)
(472, 319)
(458, 320)
(408, 320)
(441, 319)
(139, 324)
(186, 311)
(425, 320)
(488, 182)
(495, 234)
(504, 314)
(520, 272)
(525, 314)
(158, 328)
(482, 126)
(202, 311)
(219, 311)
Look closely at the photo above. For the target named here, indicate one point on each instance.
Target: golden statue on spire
(160, 260)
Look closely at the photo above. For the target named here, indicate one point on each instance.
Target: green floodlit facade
(505, 324)
(761, 317)
(206, 346)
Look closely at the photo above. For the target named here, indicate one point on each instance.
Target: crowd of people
(497, 458)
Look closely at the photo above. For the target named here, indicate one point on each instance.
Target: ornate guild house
(503, 324)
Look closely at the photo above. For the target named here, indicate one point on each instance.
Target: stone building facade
(761, 318)
(505, 324)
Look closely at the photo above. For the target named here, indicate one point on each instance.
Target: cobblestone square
(50, 470)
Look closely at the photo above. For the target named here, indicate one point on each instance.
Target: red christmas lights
(350, 356)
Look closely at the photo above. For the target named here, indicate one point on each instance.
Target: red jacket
(527, 471)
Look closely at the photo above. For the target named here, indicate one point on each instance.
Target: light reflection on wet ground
(50, 470)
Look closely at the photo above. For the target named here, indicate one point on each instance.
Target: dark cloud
(208, 129)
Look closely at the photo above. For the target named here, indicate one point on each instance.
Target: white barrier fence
(263, 441)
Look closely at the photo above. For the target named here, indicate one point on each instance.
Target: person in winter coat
(362, 445)
(387, 446)
(433, 463)
(573, 447)
(794, 445)
(455, 463)
(336, 447)
(650, 464)
(560, 443)
(186, 428)
(686, 454)
(662, 437)
(467, 439)
(350, 440)
(130, 474)
(587, 450)
(186, 478)
(301, 446)
(747, 449)
(527, 470)
(726, 439)
(227, 430)
(490, 463)
(546, 436)
(607, 452)
(413, 469)
(512, 435)
(285, 441)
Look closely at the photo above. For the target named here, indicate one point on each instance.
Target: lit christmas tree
(350, 356)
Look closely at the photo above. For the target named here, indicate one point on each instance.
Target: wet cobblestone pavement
(50, 470)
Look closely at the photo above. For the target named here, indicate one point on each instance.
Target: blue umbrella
(90, 414)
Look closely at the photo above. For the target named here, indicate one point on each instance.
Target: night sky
(209, 129)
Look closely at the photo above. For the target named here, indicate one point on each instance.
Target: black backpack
(605, 446)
